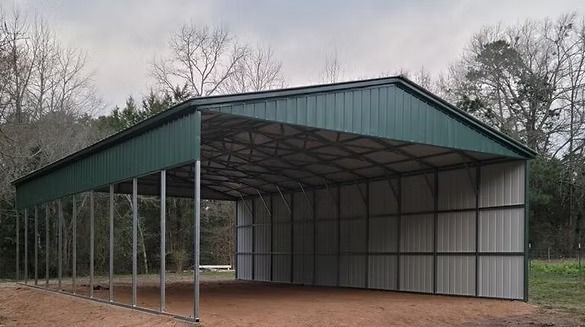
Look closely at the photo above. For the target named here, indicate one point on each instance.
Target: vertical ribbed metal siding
(500, 230)
(176, 142)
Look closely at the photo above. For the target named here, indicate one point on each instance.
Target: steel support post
(74, 244)
(60, 239)
(526, 226)
(25, 246)
(17, 246)
(477, 185)
(196, 239)
(91, 241)
(367, 245)
(47, 245)
(435, 222)
(36, 245)
(338, 204)
(134, 238)
(399, 233)
(314, 208)
(292, 237)
(111, 246)
(253, 239)
(236, 247)
(163, 232)
(271, 238)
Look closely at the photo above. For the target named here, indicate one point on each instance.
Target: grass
(558, 285)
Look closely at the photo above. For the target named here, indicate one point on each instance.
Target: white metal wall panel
(303, 206)
(281, 268)
(245, 239)
(262, 267)
(382, 198)
(353, 236)
(244, 266)
(281, 234)
(416, 233)
(262, 210)
(456, 232)
(501, 230)
(382, 272)
(280, 210)
(262, 235)
(326, 270)
(457, 189)
(244, 212)
(303, 269)
(417, 193)
(326, 237)
(352, 203)
(502, 184)
(383, 234)
(456, 275)
(303, 238)
(501, 277)
(352, 270)
(416, 273)
(326, 204)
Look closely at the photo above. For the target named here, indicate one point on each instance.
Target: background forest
(526, 80)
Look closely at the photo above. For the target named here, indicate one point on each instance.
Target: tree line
(526, 80)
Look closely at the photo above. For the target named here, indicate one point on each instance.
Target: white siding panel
(382, 272)
(244, 212)
(245, 239)
(262, 267)
(456, 232)
(352, 201)
(501, 230)
(244, 266)
(384, 234)
(353, 236)
(502, 184)
(352, 271)
(281, 234)
(416, 233)
(326, 270)
(281, 268)
(327, 237)
(416, 273)
(456, 189)
(416, 193)
(501, 277)
(456, 275)
(382, 199)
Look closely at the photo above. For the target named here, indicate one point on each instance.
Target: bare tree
(332, 70)
(257, 71)
(202, 59)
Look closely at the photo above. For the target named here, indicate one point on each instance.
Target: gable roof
(476, 135)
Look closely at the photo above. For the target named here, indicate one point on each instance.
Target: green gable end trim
(390, 111)
(173, 143)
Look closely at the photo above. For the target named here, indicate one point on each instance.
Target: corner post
(74, 244)
(17, 246)
(91, 241)
(36, 245)
(163, 251)
(60, 236)
(134, 238)
(26, 246)
(111, 245)
(196, 240)
(47, 245)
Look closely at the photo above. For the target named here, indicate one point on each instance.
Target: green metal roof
(392, 108)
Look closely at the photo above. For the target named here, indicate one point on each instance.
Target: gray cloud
(370, 37)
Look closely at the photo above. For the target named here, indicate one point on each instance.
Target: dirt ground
(235, 303)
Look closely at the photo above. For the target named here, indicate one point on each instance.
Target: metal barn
(369, 184)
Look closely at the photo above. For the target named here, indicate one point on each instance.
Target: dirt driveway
(252, 304)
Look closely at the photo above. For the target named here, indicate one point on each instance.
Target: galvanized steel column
(477, 188)
(134, 237)
(36, 245)
(60, 237)
(17, 246)
(25, 246)
(91, 241)
(526, 227)
(47, 245)
(196, 241)
(399, 227)
(367, 247)
(163, 232)
(435, 222)
(111, 245)
(74, 245)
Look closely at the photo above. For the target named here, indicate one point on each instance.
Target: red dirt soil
(235, 303)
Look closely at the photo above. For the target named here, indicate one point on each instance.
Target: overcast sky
(370, 37)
